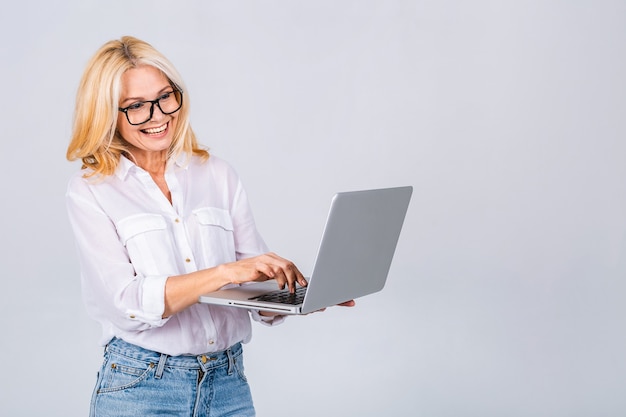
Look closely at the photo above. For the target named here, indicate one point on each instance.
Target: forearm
(182, 291)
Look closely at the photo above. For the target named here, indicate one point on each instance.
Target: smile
(155, 130)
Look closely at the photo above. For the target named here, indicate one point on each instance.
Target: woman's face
(154, 137)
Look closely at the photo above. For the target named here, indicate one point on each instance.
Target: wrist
(222, 275)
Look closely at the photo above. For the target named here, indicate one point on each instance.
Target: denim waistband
(205, 361)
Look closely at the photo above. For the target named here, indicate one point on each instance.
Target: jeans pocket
(120, 373)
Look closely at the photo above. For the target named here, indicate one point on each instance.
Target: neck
(153, 162)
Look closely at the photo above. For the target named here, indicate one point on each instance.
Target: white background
(506, 116)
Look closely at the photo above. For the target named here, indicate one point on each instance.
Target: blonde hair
(95, 139)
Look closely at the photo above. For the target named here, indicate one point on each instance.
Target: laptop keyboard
(283, 296)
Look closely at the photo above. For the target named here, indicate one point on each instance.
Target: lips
(155, 130)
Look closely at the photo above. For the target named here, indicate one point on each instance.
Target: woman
(158, 222)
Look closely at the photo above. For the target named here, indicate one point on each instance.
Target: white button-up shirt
(130, 239)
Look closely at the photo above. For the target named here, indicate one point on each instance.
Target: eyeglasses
(140, 112)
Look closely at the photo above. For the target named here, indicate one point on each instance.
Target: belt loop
(230, 361)
(160, 366)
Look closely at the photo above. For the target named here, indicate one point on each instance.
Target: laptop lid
(353, 258)
(357, 246)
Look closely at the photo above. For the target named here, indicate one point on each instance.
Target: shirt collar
(126, 166)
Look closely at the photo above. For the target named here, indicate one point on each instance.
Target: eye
(165, 96)
(136, 106)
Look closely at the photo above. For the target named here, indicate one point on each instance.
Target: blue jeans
(137, 382)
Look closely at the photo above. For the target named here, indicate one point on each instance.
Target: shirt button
(211, 342)
(187, 260)
(177, 220)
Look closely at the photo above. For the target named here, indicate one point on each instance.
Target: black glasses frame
(152, 103)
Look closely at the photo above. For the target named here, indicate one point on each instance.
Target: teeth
(156, 129)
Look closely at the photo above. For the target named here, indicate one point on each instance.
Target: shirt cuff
(266, 320)
(153, 300)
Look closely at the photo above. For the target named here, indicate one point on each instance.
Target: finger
(269, 264)
(286, 278)
(278, 275)
(295, 276)
(281, 280)
(286, 273)
(263, 272)
(292, 277)
(302, 280)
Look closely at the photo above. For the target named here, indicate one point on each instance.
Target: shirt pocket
(147, 242)
(216, 235)
(212, 216)
(138, 224)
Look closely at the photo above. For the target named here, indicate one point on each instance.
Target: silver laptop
(353, 258)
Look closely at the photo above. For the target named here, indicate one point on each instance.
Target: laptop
(353, 258)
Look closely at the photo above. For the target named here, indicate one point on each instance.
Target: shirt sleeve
(112, 291)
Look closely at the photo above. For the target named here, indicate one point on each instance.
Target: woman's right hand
(182, 291)
(262, 268)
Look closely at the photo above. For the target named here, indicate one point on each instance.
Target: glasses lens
(170, 102)
(139, 113)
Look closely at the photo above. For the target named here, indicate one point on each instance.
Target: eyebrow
(142, 98)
